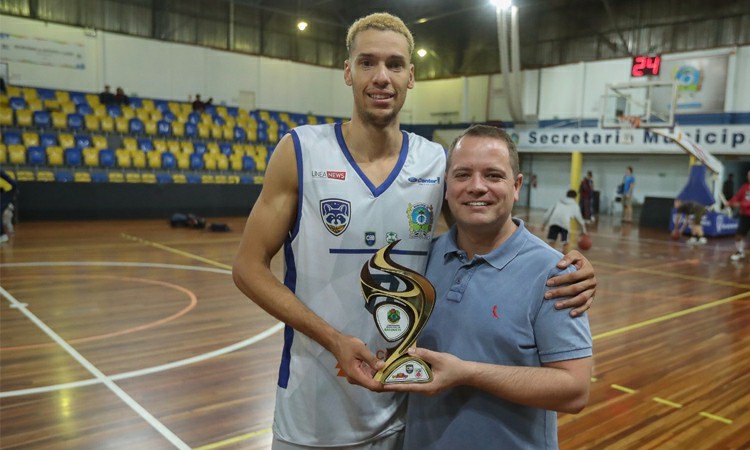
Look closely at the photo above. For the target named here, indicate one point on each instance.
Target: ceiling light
(423, 20)
(502, 4)
(421, 52)
(302, 25)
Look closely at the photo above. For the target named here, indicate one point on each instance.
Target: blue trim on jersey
(298, 154)
(359, 251)
(290, 281)
(376, 191)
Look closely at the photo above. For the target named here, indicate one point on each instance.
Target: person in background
(558, 217)
(8, 190)
(120, 97)
(106, 97)
(503, 360)
(587, 197)
(333, 194)
(692, 213)
(741, 200)
(727, 189)
(628, 185)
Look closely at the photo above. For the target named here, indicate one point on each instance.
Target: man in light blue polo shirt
(508, 360)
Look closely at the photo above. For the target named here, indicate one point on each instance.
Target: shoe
(3, 238)
(702, 240)
(737, 256)
(692, 241)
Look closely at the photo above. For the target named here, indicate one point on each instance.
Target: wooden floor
(131, 335)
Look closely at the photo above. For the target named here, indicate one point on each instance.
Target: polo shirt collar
(497, 258)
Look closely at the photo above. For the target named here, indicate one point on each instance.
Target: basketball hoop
(627, 125)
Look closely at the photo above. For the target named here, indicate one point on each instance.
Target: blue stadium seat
(161, 105)
(262, 134)
(36, 155)
(239, 133)
(73, 156)
(199, 148)
(168, 160)
(210, 110)
(248, 163)
(45, 94)
(83, 141)
(192, 178)
(191, 130)
(163, 128)
(194, 118)
(48, 140)
(135, 126)
(145, 144)
(78, 98)
(247, 179)
(84, 109)
(75, 121)
(196, 162)
(99, 177)
(17, 103)
(11, 137)
(163, 178)
(226, 148)
(169, 116)
(218, 120)
(64, 176)
(42, 119)
(233, 111)
(114, 110)
(107, 157)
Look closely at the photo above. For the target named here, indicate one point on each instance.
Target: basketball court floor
(132, 335)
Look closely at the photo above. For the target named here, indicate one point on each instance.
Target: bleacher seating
(56, 135)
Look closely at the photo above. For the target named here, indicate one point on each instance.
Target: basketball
(584, 242)
(675, 235)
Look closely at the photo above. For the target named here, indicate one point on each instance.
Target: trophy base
(407, 369)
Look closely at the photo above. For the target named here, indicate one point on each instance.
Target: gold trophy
(399, 315)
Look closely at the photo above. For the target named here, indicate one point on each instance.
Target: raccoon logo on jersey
(420, 220)
(335, 213)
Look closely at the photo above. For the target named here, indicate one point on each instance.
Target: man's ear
(411, 77)
(347, 73)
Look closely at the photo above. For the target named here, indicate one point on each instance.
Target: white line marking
(141, 411)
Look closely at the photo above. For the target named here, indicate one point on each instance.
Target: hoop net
(627, 125)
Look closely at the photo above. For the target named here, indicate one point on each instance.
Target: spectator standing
(628, 185)
(741, 200)
(107, 97)
(587, 197)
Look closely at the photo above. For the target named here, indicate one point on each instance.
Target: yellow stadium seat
(139, 160)
(62, 96)
(183, 161)
(132, 177)
(207, 119)
(92, 100)
(147, 104)
(55, 155)
(209, 161)
(123, 157)
(45, 175)
(179, 178)
(6, 116)
(51, 105)
(174, 108)
(35, 104)
(143, 114)
(59, 119)
(29, 93)
(30, 139)
(173, 146)
(66, 140)
(14, 91)
(207, 179)
(220, 179)
(235, 161)
(115, 177)
(91, 157)
(130, 143)
(100, 110)
(216, 131)
(154, 160)
(213, 148)
(222, 162)
(127, 112)
(312, 120)
(222, 111)
(16, 154)
(156, 115)
(160, 145)
(150, 127)
(3, 154)
(82, 177)
(187, 147)
(68, 107)
(148, 178)
(99, 141)
(25, 175)
(122, 125)
(92, 122)
(108, 124)
(178, 129)
(24, 117)
(228, 132)
(204, 131)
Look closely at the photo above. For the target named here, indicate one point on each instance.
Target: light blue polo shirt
(491, 309)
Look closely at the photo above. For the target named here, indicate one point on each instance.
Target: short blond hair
(381, 22)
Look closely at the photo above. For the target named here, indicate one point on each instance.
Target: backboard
(649, 104)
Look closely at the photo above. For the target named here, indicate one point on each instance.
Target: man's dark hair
(571, 193)
(480, 130)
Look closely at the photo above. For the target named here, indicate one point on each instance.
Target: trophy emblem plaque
(400, 315)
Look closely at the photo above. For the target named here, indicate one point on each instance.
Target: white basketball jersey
(342, 220)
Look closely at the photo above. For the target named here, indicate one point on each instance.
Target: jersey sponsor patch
(420, 220)
(370, 238)
(391, 236)
(329, 174)
(335, 213)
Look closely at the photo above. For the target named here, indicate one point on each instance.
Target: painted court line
(135, 406)
(176, 251)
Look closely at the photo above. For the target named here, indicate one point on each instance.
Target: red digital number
(645, 65)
